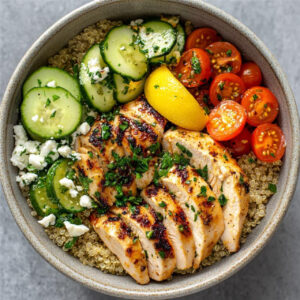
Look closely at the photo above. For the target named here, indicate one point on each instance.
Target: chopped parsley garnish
(251, 160)
(90, 153)
(193, 208)
(195, 64)
(184, 150)
(222, 199)
(203, 190)
(181, 228)
(272, 154)
(156, 86)
(219, 97)
(187, 205)
(241, 180)
(53, 114)
(225, 157)
(229, 69)
(179, 75)
(85, 182)
(221, 85)
(255, 97)
(154, 147)
(97, 195)
(105, 132)
(39, 82)
(272, 187)
(188, 182)
(55, 97)
(155, 48)
(159, 216)
(124, 125)
(203, 173)
(162, 204)
(211, 199)
(149, 234)
(229, 52)
(48, 102)
(90, 120)
(162, 254)
(196, 215)
(71, 243)
(135, 239)
(170, 213)
(206, 109)
(125, 90)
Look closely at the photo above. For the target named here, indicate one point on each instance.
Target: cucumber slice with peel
(55, 77)
(122, 54)
(126, 89)
(58, 193)
(40, 200)
(156, 38)
(99, 94)
(50, 113)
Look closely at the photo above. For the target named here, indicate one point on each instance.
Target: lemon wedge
(172, 100)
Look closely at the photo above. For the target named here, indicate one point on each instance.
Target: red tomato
(241, 144)
(226, 120)
(194, 68)
(268, 142)
(224, 58)
(250, 74)
(261, 105)
(201, 38)
(227, 86)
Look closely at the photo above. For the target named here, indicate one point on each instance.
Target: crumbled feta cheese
(37, 161)
(75, 156)
(136, 22)
(73, 193)
(64, 151)
(20, 134)
(84, 128)
(35, 118)
(75, 230)
(48, 220)
(79, 188)
(19, 157)
(86, 201)
(95, 71)
(32, 147)
(41, 119)
(92, 113)
(51, 84)
(26, 178)
(68, 183)
(49, 148)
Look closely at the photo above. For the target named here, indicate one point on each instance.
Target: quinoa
(89, 249)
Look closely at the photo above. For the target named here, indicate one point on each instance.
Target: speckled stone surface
(274, 273)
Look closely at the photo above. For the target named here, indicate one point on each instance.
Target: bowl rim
(179, 291)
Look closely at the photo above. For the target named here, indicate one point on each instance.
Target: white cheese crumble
(73, 193)
(20, 133)
(136, 22)
(64, 151)
(84, 128)
(26, 178)
(92, 113)
(51, 84)
(32, 147)
(37, 161)
(79, 188)
(35, 118)
(86, 201)
(97, 73)
(48, 220)
(19, 157)
(75, 230)
(41, 119)
(68, 183)
(49, 148)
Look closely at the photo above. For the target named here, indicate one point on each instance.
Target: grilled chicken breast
(201, 207)
(90, 168)
(119, 238)
(224, 176)
(175, 222)
(154, 239)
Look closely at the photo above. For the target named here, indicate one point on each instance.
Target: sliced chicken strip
(175, 222)
(224, 175)
(90, 168)
(201, 207)
(154, 239)
(146, 177)
(119, 239)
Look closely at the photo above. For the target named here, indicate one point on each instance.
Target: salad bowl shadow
(200, 14)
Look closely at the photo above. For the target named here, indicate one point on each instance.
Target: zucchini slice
(176, 51)
(99, 94)
(40, 200)
(50, 113)
(126, 89)
(58, 193)
(56, 76)
(156, 38)
(122, 54)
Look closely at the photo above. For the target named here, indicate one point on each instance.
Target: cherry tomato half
(201, 38)
(194, 68)
(250, 74)
(224, 58)
(241, 144)
(227, 86)
(261, 105)
(268, 142)
(201, 95)
(226, 120)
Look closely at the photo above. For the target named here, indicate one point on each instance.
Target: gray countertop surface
(273, 274)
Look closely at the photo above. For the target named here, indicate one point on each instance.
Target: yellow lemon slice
(172, 100)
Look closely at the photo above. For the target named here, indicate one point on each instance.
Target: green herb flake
(162, 204)
(222, 200)
(225, 157)
(181, 228)
(188, 182)
(105, 132)
(162, 254)
(135, 239)
(251, 160)
(48, 102)
(241, 180)
(53, 114)
(211, 199)
(71, 243)
(55, 97)
(272, 188)
(156, 86)
(203, 173)
(229, 52)
(203, 191)
(255, 97)
(149, 234)
(124, 125)
(39, 82)
(90, 153)
(184, 150)
(221, 85)
(219, 97)
(195, 64)
(179, 75)
(125, 90)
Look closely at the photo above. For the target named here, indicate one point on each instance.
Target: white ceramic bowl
(200, 14)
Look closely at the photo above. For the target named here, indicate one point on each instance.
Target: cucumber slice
(156, 38)
(100, 95)
(50, 113)
(61, 78)
(126, 89)
(58, 193)
(172, 57)
(40, 200)
(121, 53)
